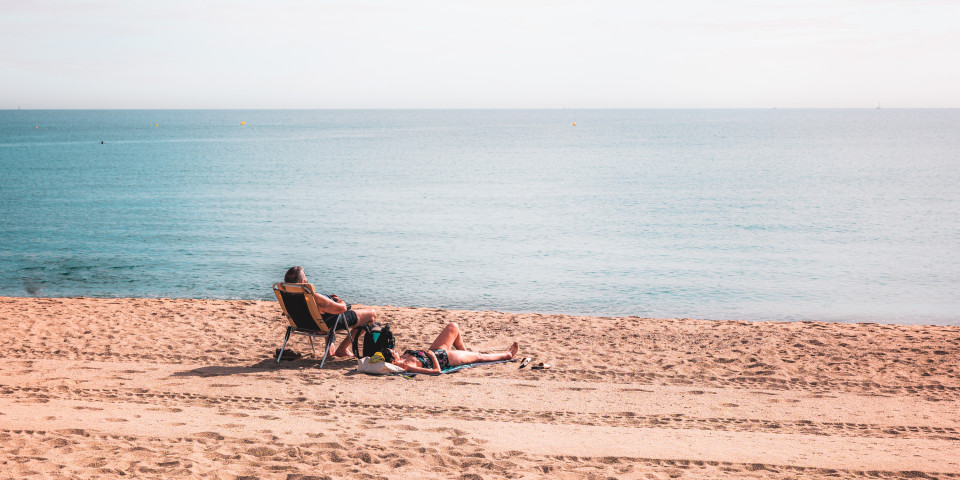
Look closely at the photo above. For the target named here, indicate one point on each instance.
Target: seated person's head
(295, 275)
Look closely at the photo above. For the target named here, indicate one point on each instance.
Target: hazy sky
(479, 54)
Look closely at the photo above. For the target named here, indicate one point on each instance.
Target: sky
(479, 54)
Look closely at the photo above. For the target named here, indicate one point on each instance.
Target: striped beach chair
(300, 308)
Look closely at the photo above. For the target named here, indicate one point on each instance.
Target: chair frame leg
(330, 337)
(284, 347)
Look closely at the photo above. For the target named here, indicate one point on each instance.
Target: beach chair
(300, 308)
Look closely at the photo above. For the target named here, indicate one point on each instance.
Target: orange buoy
(574, 124)
(243, 123)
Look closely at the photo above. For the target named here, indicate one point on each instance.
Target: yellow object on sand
(377, 358)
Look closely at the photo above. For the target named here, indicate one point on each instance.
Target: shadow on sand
(270, 364)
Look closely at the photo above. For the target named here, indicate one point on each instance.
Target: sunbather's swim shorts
(350, 316)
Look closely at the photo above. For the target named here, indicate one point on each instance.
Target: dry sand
(146, 388)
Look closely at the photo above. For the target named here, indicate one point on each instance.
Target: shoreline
(188, 387)
(890, 319)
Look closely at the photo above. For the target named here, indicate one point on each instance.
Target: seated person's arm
(327, 305)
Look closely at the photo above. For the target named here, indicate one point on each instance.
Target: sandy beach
(160, 388)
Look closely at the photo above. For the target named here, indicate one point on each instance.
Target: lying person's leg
(449, 339)
(460, 357)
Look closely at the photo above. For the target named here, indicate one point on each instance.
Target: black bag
(372, 338)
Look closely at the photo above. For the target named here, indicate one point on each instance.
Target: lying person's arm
(435, 370)
(436, 363)
(420, 370)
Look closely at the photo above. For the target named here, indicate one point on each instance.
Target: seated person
(445, 352)
(331, 306)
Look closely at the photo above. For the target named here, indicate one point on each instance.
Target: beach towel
(366, 367)
(452, 369)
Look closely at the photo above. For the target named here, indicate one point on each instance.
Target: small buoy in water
(37, 127)
(101, 142)
(574, 124)
(157, 125)
(243, 123)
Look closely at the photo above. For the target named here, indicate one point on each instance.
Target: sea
(767, 214)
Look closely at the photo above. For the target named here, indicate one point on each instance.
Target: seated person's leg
(365, 316)
(354, 319)
(344, 349)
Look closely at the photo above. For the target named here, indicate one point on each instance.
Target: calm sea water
(839, 215)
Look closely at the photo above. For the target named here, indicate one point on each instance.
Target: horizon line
(465, 108)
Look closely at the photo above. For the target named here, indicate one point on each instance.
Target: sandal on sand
(525, 361)
(541, 366)
(287, 355)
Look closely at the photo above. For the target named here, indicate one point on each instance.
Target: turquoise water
(838, 215)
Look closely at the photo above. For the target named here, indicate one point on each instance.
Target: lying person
(445, 352)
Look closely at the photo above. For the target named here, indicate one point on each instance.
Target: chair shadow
(270, 364)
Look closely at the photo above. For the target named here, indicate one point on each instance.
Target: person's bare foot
(513, 350)
(340, 352)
